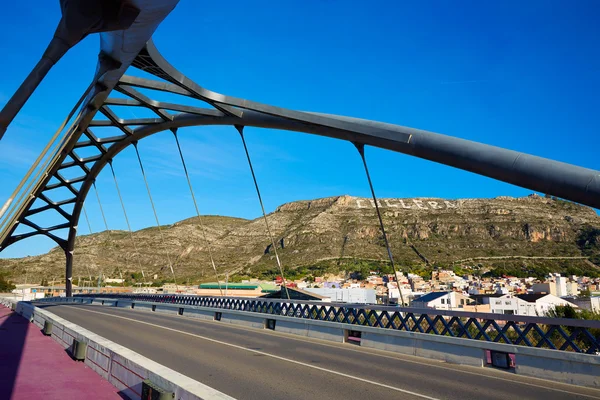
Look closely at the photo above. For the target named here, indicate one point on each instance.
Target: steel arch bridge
(126, 43)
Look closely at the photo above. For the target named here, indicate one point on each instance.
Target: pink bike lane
(35, 366)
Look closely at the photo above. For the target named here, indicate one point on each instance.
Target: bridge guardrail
(580, 336)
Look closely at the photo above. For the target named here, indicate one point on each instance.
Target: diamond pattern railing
(580, 336)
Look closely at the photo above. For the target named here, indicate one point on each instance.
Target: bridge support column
(69, 272)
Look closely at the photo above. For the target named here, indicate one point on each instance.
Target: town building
(588, 303)
(145, 290)
(557, 285)
(347, 295)
(296, 294)
(236, 289)
(537, 304)
(31, 292)
(442, 301)
(394, 294)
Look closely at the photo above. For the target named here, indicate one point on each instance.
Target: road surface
(254, 364)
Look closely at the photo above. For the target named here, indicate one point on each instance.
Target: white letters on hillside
(409, 204)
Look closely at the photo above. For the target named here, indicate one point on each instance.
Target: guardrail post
(47, 330)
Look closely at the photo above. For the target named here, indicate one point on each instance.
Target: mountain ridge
(341, 233)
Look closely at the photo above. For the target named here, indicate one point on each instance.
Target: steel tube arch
(536, 173)
(420, 145)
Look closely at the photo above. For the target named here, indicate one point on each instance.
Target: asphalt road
(252, 364)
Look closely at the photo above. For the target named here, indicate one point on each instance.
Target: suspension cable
(90, 229)
(127, 220)
(87, 266)
(137, 152)
(106, 227)
(202, 228)
(361, 150)
(241, 131)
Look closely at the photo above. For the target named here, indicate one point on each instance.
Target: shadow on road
(13, 331)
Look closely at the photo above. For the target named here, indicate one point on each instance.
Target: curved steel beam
(556, 178)
(79, 19)
(118, 49)
(420, 145)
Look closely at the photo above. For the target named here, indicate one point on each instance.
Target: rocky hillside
(335, 234)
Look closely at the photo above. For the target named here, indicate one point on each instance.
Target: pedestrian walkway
(34, 366)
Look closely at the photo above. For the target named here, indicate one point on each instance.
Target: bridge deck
(255, 364)
(33, 366)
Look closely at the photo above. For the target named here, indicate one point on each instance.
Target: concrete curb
(123, 368)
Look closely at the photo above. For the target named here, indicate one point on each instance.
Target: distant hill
(341, 235)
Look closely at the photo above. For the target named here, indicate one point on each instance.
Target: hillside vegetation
(341, 235)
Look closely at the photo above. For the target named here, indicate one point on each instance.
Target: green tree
(589, 243)
(581, 340)
(585, 293)
(5, 285)
(570, 312)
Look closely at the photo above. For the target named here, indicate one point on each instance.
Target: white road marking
(290, 336)
(270, 355)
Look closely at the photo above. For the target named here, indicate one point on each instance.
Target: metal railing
(573, 335)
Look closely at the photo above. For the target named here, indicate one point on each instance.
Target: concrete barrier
(561, 366)
(143, 306)
(167, 308)
(123, 368)
(576, 369)
(198, 313)
(331, 333)
(241, 318)
(292, 327)
(453, 353)
(397, 344)
(124, 304)
(309, 328)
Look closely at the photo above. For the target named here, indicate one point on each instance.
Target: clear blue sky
(521, 75)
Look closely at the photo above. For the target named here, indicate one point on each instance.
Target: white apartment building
(442, 301)
(527, 304)
(501, 288)
(557, 285)
(347, 295)
(394, 294)
(513, 305)
(595, 304)
(590, 303)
